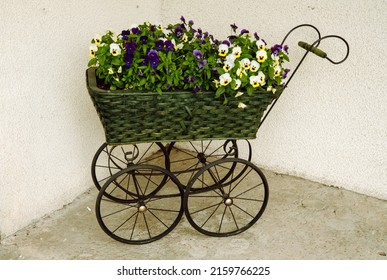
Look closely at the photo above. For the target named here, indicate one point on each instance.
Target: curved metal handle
(299, 26)
(317, 42)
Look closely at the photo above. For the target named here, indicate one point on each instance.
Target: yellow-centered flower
(92, 50)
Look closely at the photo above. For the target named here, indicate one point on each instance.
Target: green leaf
(271, 73)
(220, 91)
(220, 70)
(92, 62)
(159, 91)
(116, 61)
(250, 90)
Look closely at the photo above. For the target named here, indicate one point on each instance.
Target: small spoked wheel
(188, 158)
(144, 206)
(109, 160)
(223, 205)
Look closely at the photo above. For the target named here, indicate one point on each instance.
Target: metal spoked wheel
(224, 207)
(141, 211)
(109, 160)
(187, 159)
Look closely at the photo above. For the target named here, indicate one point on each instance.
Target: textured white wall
(331, 123)
(49, 130)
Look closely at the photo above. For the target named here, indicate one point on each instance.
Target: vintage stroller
(147, 179)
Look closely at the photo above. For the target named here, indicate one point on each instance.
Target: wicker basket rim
(91, 81)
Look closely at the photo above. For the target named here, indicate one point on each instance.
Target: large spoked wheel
(224, 207)
(141, 211)
(109, 160)
(189, 158)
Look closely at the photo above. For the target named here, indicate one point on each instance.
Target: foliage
(151, 57)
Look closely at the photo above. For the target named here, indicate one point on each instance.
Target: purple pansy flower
(128, 59)
(182, 19)
(144, 39)
(196, 89)
(130, 47)
(256, 36)
(226, 42)
(159, 45)
(244, 31)
(198, 55)
(276, 49)
(168, 45)
(153, 58)
(285, 73)
(179, 31)
(190, 22)
(202, 64)
(136, 30)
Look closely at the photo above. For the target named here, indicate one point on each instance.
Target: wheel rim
(197, 154)
(109, 160)
(142, 212)
(226, 207)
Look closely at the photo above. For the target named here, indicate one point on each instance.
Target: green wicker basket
(134, 117)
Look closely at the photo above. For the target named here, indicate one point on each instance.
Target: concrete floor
(303, 220)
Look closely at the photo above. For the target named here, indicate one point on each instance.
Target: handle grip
(314, 50)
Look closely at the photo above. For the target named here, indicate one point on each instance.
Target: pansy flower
(223, 50)
(277, 71)
(115, 49)
(237, 51)
(225, 79)
(97, 39)
(254, 66)
(261, 56)
(245, 63)
(92, 50)
(198, 55)
(261, 45)
(228, 65)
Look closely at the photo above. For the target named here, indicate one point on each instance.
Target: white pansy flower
(237, 84)
(258, 80)
(261, 77)
(92, 50)
(97, 39)
(254, 81)
(166, 32)
(237, 51)
(242, 105)
(261, 56)
(254, 66)
(275, 57)
(111, 71)
(228, 65)
(245, 63)
(230, 57)
(261, 45)
(119, 69)
(225, 79)
(277, 71)
(223, 49)
(240, 93)
(115, 49)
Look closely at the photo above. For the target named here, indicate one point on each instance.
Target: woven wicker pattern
(133, 117)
